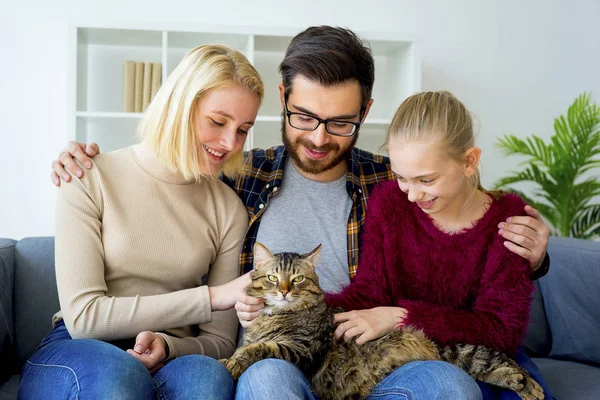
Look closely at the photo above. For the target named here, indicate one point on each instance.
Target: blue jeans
(63, 368)
(495, 393)
(427, 380)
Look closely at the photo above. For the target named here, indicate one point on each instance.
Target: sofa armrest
(35, 297)
(571, 301)
(7, 274)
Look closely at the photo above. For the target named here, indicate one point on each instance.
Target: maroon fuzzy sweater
(464, 287)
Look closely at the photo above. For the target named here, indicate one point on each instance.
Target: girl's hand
(367, 325)
(151, 349)
(224, 297)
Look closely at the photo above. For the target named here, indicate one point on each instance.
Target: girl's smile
(426, 204)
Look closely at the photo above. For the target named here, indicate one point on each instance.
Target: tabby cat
(297, 326)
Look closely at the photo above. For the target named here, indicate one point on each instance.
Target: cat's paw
(518, 380)
(531, 390)
(235, 367)
(515, 381)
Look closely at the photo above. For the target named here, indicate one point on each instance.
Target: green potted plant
(566, 171)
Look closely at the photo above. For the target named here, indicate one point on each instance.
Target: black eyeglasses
(335, 127)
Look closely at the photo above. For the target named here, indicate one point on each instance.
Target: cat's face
(285, 279)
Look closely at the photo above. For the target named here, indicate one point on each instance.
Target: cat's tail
(493, 367)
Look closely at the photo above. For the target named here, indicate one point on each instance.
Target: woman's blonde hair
(168, 121)
(439, 115)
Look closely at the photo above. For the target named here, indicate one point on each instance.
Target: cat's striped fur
(297, 326)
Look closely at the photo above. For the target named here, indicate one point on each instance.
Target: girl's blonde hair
(168, 121)
(439, 115)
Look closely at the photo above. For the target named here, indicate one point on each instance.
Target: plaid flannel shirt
(261, 179)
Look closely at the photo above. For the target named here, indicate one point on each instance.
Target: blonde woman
(147, 248)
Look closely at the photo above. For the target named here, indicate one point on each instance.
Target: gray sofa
(563, 335)
(28, 299)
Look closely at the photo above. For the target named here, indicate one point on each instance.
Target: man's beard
(315, 167)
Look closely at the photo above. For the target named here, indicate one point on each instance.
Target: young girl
(432, 256)
(147, 248)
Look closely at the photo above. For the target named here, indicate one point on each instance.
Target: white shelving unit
(98, 53)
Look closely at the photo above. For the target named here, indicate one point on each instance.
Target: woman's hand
(367, 325)
(224, 297)
(248, 309)
(151, 349)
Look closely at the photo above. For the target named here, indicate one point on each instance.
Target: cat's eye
(272, 278)
(298, 279)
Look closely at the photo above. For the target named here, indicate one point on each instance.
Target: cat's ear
(261, 254)
(314, 255)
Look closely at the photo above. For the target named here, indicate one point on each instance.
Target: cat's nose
(284, 292)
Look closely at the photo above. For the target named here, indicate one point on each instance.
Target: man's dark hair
(329, 55)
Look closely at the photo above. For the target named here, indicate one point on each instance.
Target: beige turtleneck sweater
(136, 246)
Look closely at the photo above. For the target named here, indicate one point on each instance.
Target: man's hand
(151, 349)
(367, 325)
(248, 309)
(224, 297)
(526, 236)
(74, 150)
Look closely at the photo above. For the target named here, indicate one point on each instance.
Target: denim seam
(60, 366)
(158, 387)
(406, 394)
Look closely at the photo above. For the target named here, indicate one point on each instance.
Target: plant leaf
(557, 168)
(587, 224)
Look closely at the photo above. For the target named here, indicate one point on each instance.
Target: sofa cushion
(8, 391)
(7, 262)
(569, 379)
(570, 291)
(36, 297)
(538, 340)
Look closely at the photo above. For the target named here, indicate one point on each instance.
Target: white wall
(516, 64)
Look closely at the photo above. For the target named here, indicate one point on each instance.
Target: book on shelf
(139, 86)
(129, 86)
(156, 78)
(141, 81)
(146, 85)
